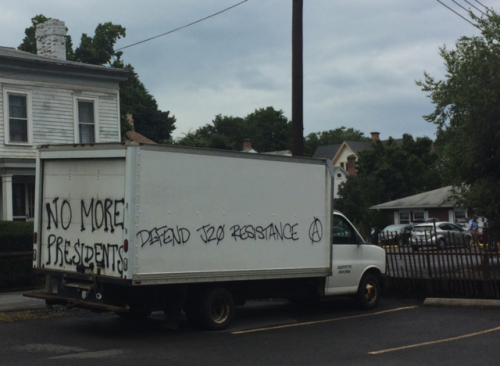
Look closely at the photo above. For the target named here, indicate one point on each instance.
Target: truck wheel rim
(370, 292)
(219, 310)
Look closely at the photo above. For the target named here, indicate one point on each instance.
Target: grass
(8, 317)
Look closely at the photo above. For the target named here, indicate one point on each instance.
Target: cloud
(361, 59)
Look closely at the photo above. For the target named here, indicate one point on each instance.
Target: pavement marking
(48, 347)
(320, 321)
(435, 342)
(91, 355)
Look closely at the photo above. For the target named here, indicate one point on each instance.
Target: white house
(45, 99)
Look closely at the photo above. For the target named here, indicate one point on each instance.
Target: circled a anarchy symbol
(316, 231)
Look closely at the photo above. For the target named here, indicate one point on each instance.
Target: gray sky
(361, 58)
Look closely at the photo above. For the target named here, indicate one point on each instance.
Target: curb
(464, 303)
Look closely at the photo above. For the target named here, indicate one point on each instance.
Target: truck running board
(57, 300)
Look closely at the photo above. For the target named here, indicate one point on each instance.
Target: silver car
(444, 234)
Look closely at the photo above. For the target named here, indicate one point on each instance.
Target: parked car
(442, 235)
(432, 219)
(396, 234)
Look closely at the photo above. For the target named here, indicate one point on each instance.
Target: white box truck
(135, 228)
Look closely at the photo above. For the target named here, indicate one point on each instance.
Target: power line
(460, 6)
(481, 5)
(184, 26)
(467, 20)
(482, 12)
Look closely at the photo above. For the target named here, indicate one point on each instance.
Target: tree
(267, 128)
(134, 97)
(331, 137)
(467, 115)
(386, 172)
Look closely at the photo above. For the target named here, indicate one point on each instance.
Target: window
(342, 165)
(460, 214)
(23, 200)
(404, 217)
(17, 117)
(339, 175)
(86, 120)
(418, 215)
(18, 199)
(343, 233)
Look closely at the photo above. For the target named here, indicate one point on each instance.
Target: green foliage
(16, 236)
(17, 273)
(387, 172)
(467, 114)
(99, 50)
(331, 137)
(134, 97)
(268, 130)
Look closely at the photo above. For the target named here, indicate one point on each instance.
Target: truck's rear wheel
(368, 294)
(214, 310)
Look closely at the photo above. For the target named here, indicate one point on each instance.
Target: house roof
(338, 169)
(137, 137)
(15, 58)
(329, 151)
(437, 198)
(281, 152)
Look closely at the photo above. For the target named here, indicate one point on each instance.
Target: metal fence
(460, 268)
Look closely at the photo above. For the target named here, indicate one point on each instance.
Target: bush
(17, 272)
(16, 236)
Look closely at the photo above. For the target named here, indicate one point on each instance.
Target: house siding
(342, 157)
(54, 116)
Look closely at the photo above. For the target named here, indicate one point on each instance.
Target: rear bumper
(54, 299)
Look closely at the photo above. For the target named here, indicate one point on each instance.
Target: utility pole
(297, 81)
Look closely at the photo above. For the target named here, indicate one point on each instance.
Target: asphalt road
(399, 332)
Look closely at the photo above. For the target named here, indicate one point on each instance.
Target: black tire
(214, 310)
(369, 292)
(415, 248)
(441, 245)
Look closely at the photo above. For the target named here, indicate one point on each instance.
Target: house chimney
(375, 136)
(51, 40)
(351, 164)
(247, 144)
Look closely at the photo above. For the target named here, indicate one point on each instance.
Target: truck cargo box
(151, 214)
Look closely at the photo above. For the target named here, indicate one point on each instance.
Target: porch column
(7, 197)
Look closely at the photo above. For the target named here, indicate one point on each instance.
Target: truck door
(347, 258)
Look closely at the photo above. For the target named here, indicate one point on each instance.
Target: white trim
(56, 85)
(29, 112)
(94, 100)
(7, 213)
(451, 216)
(119, 117)
(396, 217)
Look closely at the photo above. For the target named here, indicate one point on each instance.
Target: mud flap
(173, 301)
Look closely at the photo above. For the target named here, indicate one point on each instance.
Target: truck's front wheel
(214, 310)
(368, 292)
